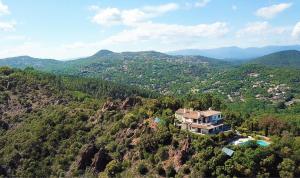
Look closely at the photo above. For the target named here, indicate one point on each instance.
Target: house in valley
(202, 122)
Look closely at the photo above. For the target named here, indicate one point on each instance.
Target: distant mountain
(27, 61)
(104, 57)
(290, 58)
(235, 53)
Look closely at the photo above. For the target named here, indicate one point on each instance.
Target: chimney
(184, 110)
(198, 114)
(209, 109)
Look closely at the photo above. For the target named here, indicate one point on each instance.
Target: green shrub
(6, 70)
(162, 154)
(113, 167)
(186, 170)
(160, 170)
(170, 171)
(142, 169)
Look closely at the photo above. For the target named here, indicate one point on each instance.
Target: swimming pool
(157, 120)
(245, 141)
(263, 143)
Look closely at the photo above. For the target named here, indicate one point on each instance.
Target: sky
(65, 29)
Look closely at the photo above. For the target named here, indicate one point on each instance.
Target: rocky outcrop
(101, 159)
(130, 102)
(180, 156)
(122, 105)
(92, 157)
(109, 106)
(85, 157)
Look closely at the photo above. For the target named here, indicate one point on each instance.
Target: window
(195, 120)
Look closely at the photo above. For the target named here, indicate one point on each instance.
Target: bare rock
(181, 155)
(109, 106)
(101, 159)
(130, 102)
(85, 157)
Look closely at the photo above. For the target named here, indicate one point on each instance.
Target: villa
(202, 122)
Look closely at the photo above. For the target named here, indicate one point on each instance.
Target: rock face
(181, 155)
(86, 156)
(108, 106)
(95, 158)
(101, 159)
(126, 104)
(130, 102)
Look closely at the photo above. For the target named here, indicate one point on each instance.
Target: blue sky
(64, 29)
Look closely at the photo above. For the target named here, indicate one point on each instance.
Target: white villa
(202, 122)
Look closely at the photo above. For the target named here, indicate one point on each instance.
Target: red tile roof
(187, 113)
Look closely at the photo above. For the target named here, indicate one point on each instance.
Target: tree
(160, 170)
(170, 172)
(142, 169)
(281, 105)
(6, 70)
(272, 125)
(113, 168)
(286, 168)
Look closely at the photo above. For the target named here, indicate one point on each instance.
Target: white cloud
(7, 26)
(3, 9)
(153, 36)
(114, 16)
(202, 3)
(169, 33)
(271, 11)
(41, 50)
(108, 16)
(296, 31)
(260, 29)
(25, 48)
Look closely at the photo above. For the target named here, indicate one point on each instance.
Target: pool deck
(242, 140)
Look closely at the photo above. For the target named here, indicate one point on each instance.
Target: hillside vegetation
(264, 79)
(290, 58)
(150, 70)
(63, 126)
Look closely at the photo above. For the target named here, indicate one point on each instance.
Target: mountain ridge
(288, 58)
(235, 53)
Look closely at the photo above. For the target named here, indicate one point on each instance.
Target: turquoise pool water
(259, 142)
(262, 143)
(157, 120)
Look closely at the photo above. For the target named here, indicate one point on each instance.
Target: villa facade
(202, 122)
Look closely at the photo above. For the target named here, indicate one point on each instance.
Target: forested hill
(101, 56)
(27, 61)
(149, 69)
(290, 58)
(57, 126)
